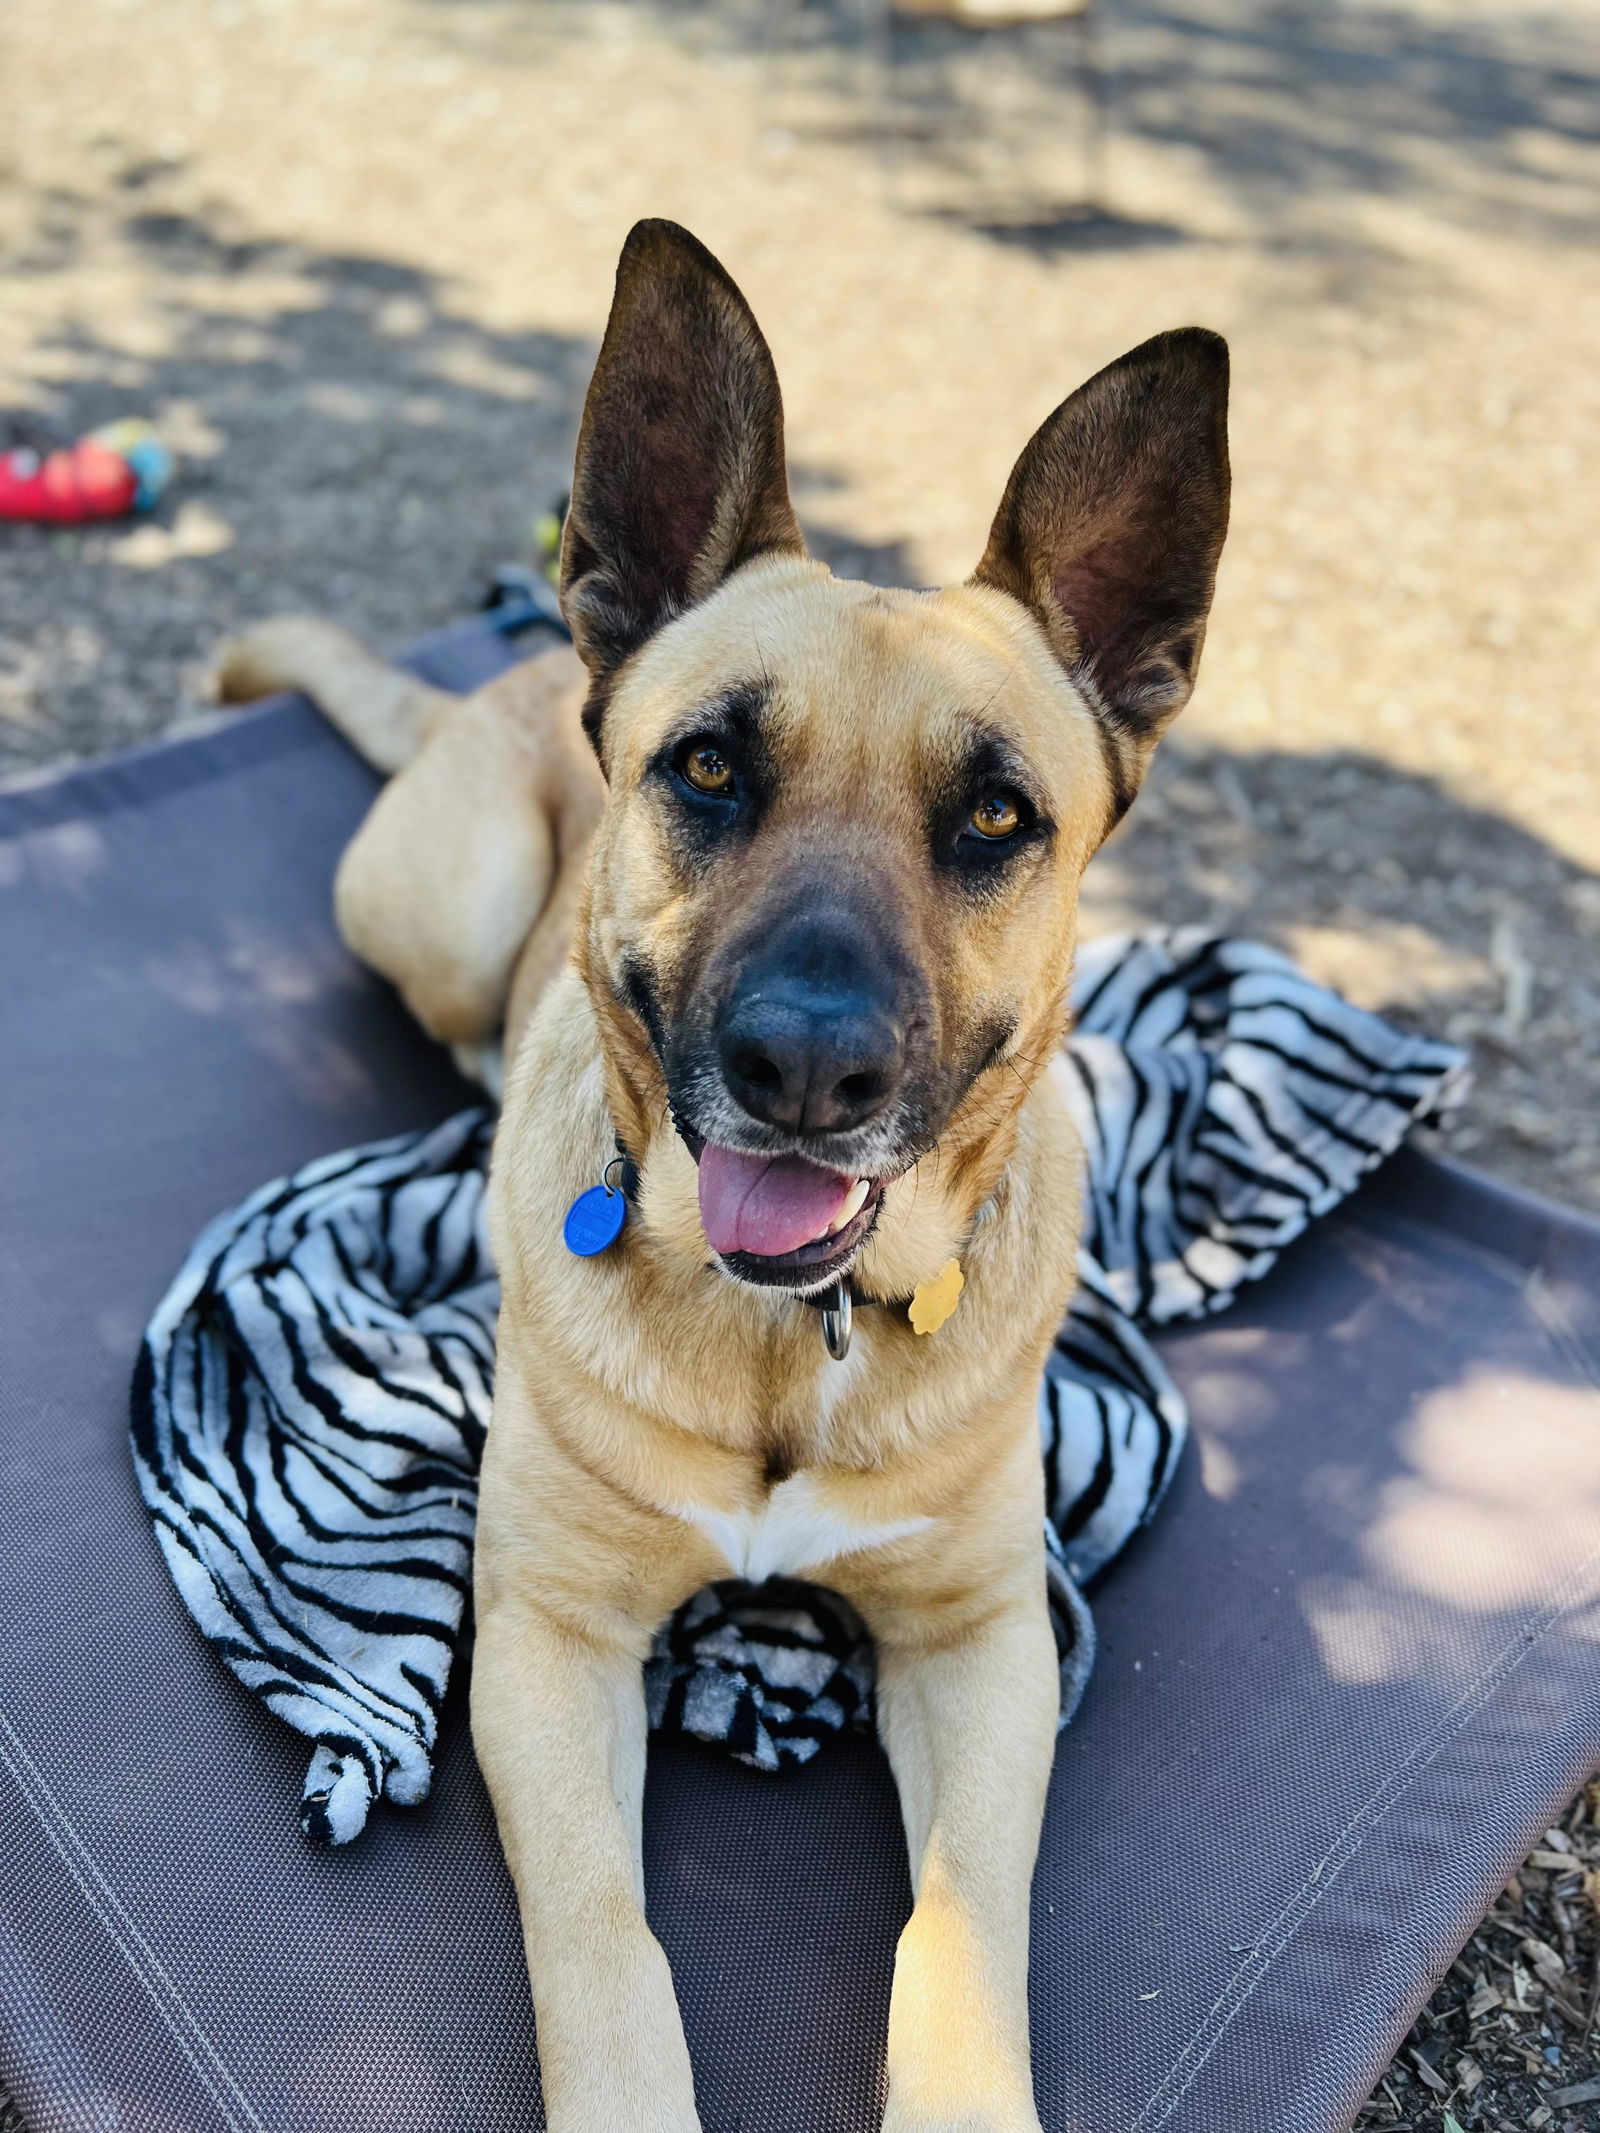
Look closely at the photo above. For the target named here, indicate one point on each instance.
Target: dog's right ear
(680, 470)
(1110, 529)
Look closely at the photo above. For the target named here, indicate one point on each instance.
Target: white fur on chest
(795, 1529)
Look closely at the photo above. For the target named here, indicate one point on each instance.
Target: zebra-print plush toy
(312, 1394)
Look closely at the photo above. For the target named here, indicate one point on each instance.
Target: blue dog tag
(594, 1221)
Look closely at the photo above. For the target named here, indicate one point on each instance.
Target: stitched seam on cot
(1293, 1914)
(125, 1935)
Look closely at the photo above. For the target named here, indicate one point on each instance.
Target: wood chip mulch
(1510, 2043)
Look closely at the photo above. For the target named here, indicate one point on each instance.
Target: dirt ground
(353, 257)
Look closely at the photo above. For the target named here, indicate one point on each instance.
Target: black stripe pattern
(311, 1397)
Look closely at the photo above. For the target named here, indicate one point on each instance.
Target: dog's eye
(705, 767)
(995, 818)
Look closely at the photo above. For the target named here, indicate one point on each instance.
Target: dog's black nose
(811, 1037)
(811, 1063)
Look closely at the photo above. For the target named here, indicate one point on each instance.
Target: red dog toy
(107, 474)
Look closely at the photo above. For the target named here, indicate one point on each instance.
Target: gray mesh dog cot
(1344, 1682)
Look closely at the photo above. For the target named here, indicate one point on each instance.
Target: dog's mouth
(780, 1221)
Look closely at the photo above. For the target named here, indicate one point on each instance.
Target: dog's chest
(797, 1527)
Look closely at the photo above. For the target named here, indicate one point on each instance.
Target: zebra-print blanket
(311, 1397)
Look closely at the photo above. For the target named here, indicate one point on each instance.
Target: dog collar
(837, 1306)
(927, 1308)
(597, 1217)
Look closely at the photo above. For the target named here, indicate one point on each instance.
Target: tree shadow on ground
(1289, 100)
(1444, 916)
(1488, 118)
(347, 434)
(323, 405)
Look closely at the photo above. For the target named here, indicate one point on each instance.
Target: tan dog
(819, 968)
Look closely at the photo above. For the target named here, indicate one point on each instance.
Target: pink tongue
(764, 1203)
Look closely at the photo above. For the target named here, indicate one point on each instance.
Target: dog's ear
(1110, 529)
(680, 469)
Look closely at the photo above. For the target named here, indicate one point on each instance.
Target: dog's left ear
(680, 470)
(1110, 529)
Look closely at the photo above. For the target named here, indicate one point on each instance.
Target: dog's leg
(558, 1719)
(462, 883)
(569, 1579)
(384, 713)
(969, 1725)
(468, 868)
(442, 883)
